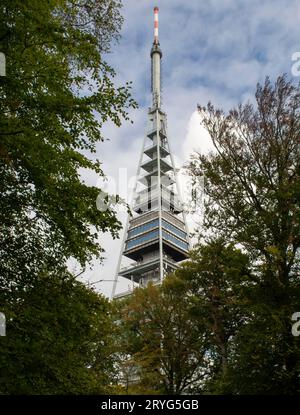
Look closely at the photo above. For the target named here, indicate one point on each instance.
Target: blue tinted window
(143, 228)
(173, 229)
(142, 239)
(175, 240)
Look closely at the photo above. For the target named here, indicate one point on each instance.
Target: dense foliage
(59, 340)
(57, 93)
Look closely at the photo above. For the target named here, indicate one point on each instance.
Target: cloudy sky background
(215, 51)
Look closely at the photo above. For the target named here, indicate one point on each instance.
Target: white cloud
(197, 138)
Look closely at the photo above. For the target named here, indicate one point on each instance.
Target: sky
(215, 51)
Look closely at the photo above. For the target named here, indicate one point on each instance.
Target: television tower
(156, 237)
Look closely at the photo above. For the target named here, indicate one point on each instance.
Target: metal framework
(156, 237)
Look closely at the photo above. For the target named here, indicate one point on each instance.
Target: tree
(159, 338)
(57, 93)
(213, 281)
(252, 199)
(59, 340)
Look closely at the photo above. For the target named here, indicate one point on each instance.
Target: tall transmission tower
(156, 236)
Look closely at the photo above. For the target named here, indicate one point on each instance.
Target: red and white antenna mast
(156, 55)
(156, 9)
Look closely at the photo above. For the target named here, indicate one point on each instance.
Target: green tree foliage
(161, 349)
(57, 94)
(252, 199)
(213, 281)
(59, 340)
(252, 181)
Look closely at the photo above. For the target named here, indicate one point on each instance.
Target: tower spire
(156, 55)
